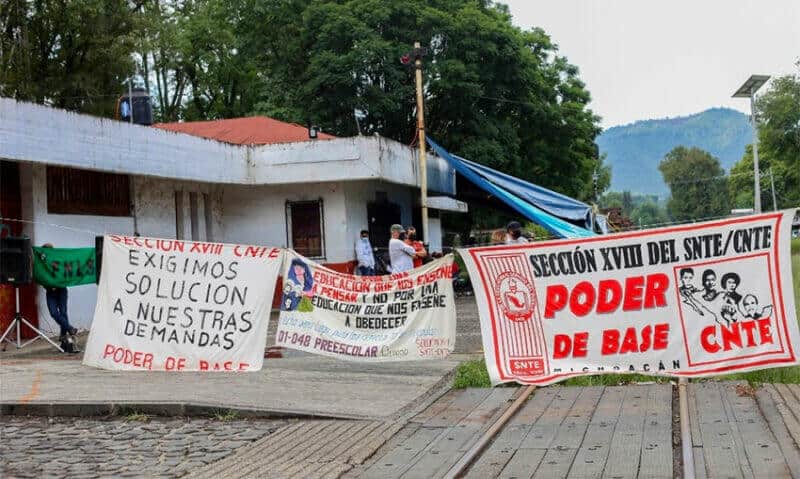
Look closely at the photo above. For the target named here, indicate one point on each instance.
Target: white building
(70, 177)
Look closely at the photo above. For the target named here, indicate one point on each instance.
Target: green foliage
(72, 54)
(136, 416)
(699, 189)
(614, 380)
(778, 111)
(537, 232)
(472, 374)
(643, 210)
(226, 415)
(494, 93)
(635, 150)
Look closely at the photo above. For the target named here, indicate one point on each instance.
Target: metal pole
(423, 172)
(686, 431)
(772, 184)
(130, 99)
(757, 180)
(461, 466)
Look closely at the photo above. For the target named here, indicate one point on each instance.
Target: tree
(643, 210)
(697, 184)
(494, 93)
(778, 113)
(72, 54)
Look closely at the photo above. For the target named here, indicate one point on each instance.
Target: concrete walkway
(303, 386)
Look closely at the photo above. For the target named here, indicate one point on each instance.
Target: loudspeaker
(98, 256)
(16, 266)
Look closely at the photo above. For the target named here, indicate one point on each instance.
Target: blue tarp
(547, 208)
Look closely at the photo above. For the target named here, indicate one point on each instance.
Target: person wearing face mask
(366, 261)
(419, 248)
(514, 236)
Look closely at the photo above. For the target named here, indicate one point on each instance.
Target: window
(305, 229)
(81, 192)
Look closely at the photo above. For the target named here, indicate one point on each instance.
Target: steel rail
(686, 431)
(466, 460)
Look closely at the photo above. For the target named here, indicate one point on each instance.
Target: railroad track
(708, 429)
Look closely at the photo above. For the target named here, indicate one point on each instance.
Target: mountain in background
(635, 150)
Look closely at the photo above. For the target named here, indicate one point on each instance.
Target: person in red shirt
(411, 240)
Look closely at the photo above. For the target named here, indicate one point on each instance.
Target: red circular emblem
(514, 293)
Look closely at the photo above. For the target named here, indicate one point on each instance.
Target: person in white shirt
(401, 255)
(514, 233)
(366, 260)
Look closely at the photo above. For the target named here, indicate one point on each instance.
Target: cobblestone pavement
(97, 447)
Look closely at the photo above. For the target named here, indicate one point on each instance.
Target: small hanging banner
(401, 317)
(64, 267)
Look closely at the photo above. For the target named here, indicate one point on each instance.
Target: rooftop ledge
(41, 134)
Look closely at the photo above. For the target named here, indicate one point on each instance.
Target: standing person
(419, 248)
(514, 236)
(366, 260)
(57, 305)
(401, 255)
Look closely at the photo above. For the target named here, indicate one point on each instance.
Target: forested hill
(635, 150)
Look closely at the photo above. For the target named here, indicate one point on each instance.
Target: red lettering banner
(691, 300)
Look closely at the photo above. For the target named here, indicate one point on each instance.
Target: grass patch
(615, 380)
(226, 415)
(137, 417)
(472, 374)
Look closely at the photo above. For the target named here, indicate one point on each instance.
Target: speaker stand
(17, 323)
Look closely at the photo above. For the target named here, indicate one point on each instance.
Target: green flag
(63, 267)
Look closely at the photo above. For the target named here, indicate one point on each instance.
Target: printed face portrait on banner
(298, 289)
(692, 300)
(402, 317)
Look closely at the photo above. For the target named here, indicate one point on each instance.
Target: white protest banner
(172, 305)
(401, 317)
(692, 300)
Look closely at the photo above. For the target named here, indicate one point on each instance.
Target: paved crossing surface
(559, 432)
(738, 431)
(570, 432)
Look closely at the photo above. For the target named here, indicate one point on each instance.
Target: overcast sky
(645, 59)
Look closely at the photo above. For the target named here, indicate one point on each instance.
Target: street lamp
(748, 90)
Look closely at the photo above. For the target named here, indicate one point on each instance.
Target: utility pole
(423, 161)
(757, 180)
(748, 90)
(130, 98)
(772, 183)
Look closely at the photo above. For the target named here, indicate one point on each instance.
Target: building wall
(155, 215)
(434, 235)
(64, 231)
(359, 193)
(257, 214)
(38, 133)
(155, 203)
(237, 214)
